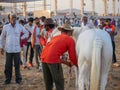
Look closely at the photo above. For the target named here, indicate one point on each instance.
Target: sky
(64, 4)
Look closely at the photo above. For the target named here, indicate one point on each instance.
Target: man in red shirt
(51, 61)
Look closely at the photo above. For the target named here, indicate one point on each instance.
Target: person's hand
(66, 63)
(2, 51)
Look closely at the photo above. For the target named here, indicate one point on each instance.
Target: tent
(16, 1)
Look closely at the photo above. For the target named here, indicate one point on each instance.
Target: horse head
(76, 32)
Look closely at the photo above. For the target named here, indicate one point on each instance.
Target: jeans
(114, 56)
(31, 52)
(10, 57)
(53, 73)
(37, 52)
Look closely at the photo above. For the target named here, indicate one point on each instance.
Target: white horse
(94, 51)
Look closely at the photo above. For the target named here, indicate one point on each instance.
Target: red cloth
(112, 27)
(23, 41)
(48, 34)
(57, 47)
(34, 36)
(43, 40)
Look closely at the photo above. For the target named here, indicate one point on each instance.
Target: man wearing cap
(51, 61)
(48, 29)
(11, 34)
(86, 24)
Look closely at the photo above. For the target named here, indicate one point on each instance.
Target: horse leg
(103, 81)
(104, 73)
(81, 79)
(82, 76)
(87, 77)
(77, 76)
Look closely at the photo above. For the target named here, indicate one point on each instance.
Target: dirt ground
(33, 80)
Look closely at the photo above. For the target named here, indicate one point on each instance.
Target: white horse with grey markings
(94, 51)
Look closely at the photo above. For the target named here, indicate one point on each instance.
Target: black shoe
(6, 83)
(18, 82)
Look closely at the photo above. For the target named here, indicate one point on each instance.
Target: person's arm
(72, 53)
(42, 37)
(112, 32)
(26, 34)
(26, 27)
(2, 39)
(66, 63)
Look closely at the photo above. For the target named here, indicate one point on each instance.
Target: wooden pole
(93, 7)
(55, 7)
(71, 7)
(105, 7)
(14, 7)
(82, 7)
(113, 8)
(24, 9)
(44, 4)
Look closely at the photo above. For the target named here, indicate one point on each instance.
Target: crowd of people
(24, 41)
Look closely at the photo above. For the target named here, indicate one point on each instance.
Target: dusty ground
(33, 80)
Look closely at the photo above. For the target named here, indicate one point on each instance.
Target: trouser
(53, 73)
(10, 57)
(37, 51)
(114, 56)
(31, 52)
(23, 55)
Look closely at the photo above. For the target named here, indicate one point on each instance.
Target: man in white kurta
(11, 36)
(86, 24)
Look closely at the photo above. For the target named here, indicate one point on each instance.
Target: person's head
(30, 21)
(108, 21)
(43, 18)
(3, 19)
(13, 19)
(85, 18)
(36, 21)
(49, 24)
(21, 22)
(66, 28)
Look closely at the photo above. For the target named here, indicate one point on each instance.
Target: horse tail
(96, 64)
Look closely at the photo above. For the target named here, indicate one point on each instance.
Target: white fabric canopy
(14, 1)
